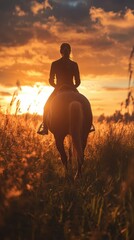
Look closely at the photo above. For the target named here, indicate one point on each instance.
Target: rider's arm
(52, 76)
(77, 76)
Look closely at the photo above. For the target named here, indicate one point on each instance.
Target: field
(37, 200)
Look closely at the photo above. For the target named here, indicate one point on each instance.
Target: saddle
(66, 87)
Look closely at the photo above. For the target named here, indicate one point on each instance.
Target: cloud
(34, 73)
(113, 5)
(40, 7)
(70, 11)
(97, 99)
(19, 12)
(46, 31)
(115, 88)
(100, 39)
(5, 94)
(15, 36)
(22, 27)
(15, 23)
(117, 27)
(113, 19)
(29, 63)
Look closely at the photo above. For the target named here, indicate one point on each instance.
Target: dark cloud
(122, 37)
(70, 13)
(99, 43)
(9, 5)
(13, 29)
(113, 5)
(44, 34)
(14, 36)
(18, 29)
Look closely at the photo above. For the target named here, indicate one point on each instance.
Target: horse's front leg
(60, 146)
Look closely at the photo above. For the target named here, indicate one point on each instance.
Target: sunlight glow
(32, 99)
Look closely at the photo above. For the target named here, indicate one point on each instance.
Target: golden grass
(39, 202)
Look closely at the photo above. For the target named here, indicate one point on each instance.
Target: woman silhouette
(64, 74)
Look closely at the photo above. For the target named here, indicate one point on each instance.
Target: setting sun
(32, 99)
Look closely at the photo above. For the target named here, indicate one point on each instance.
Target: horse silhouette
(69, 113)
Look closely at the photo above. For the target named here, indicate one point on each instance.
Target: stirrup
(42, 130)
(92, 129)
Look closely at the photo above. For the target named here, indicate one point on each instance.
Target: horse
(70, 113)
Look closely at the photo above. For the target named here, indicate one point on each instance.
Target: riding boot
(43, 129)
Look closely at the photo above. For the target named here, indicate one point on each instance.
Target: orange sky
(101, 36)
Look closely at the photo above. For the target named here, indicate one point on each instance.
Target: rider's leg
(43, 129)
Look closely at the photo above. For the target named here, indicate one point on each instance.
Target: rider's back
(64, 70)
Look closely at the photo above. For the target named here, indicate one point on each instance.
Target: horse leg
(80, 163)
(60, 146)
(84, 143)
(70, 150)
(80, 157)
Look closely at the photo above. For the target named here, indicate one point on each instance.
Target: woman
(64, 73)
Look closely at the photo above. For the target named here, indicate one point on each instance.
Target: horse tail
(76, 125)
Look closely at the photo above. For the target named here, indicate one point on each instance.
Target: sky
(101, 35)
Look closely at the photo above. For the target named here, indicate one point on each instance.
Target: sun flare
(32, 99)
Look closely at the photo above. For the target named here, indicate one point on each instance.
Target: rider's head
(65, 50)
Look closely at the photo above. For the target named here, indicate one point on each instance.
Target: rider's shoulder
(56, 61)
(73, 62)
(60, 60)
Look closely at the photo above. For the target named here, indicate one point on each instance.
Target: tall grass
(39, 202)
